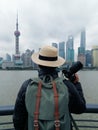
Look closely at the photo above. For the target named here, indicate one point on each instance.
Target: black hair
(47, 67)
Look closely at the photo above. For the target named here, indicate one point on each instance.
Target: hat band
(47, 58)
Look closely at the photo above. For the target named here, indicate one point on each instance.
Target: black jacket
(77, 102)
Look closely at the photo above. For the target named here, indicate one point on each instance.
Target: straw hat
(48, 56)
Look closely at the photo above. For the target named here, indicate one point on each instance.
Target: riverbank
(31, 68)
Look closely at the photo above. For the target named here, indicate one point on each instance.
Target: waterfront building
(95, 56)
(83, 40)
(88, 55)
(70, 50)
(7, 64)
(1, 61)
(8, 57)
(62, 49)
(81, 58)
(55, 44)
(26, 58)
(81, 50)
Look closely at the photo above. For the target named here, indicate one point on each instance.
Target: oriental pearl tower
(17, 34)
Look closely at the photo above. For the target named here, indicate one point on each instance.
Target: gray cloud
(45, 21)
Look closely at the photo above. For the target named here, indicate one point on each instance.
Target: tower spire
(17, 22)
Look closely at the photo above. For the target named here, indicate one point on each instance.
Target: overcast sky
(46, 21)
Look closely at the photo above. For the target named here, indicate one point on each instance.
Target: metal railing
(87, 120)
(6, 113)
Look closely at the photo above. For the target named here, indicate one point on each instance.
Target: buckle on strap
(57, 123)
(35, 123)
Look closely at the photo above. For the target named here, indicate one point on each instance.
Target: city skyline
(17, 45)
(44, 22)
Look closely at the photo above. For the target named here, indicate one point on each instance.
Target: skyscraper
(88, 55)
(95, 56)
(62, 49)
(81, 49)
(70, 49)
(55, 44)
(83, 39)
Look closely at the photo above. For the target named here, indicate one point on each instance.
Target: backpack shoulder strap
(37, 106)
(57, 121)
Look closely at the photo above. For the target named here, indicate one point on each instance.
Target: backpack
(47, 105)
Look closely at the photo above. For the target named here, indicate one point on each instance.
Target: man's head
(48, 56)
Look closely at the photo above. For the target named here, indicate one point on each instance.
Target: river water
(11, 81)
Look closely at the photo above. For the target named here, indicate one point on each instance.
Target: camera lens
(76, 67)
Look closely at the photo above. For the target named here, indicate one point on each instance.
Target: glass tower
(62, 49)
(69, 49)
(83, 41)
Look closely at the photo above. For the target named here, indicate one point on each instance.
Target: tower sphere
(17, 33)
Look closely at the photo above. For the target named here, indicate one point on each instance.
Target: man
(48, 61)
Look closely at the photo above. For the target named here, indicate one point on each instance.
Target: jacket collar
(45, 72)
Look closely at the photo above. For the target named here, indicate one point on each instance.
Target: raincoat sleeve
(20, 113)
(77, 103)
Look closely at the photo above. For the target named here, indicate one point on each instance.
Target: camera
(70, 73)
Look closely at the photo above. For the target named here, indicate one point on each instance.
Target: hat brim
(35, 58)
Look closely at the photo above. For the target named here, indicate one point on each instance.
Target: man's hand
(76, 78)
